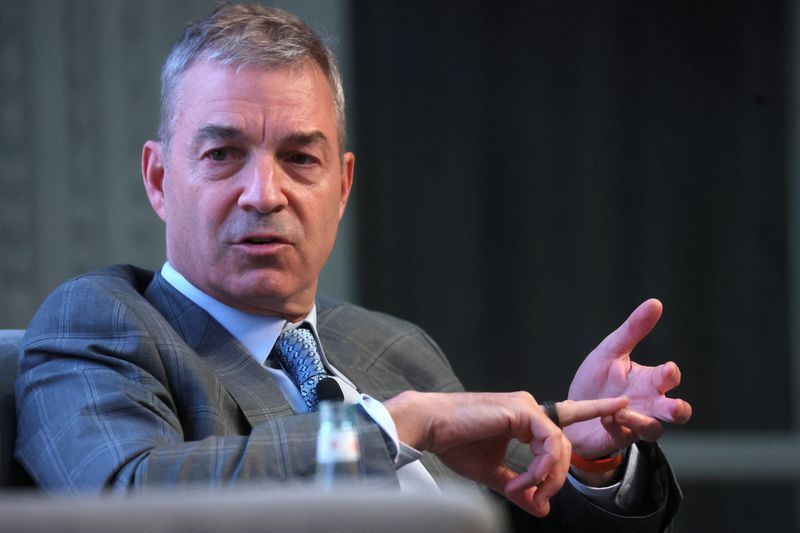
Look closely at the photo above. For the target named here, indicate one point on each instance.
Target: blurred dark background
(527, 173)
(530, 171)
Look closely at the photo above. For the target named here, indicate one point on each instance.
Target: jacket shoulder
(119, 277)
(396, 352)
(86, 303)
(340, 314)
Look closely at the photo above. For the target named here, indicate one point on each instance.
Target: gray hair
(246, 35)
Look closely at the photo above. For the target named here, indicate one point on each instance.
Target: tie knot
(296, 349)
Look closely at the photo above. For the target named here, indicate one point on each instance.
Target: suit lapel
(346, 355)
(336, 356)
(249, 384)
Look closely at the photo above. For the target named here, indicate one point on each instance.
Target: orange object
(597, 466)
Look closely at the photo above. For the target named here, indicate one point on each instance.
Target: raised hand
(609, 371)
(470, 433)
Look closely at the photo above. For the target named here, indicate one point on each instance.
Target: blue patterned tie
(296, 349)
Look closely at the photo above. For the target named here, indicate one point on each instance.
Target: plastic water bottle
(338, 451)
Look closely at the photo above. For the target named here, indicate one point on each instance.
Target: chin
(275, 298)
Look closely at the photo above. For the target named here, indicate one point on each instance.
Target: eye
(299, 158)
(220, 154)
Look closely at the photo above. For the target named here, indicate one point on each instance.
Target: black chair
(11, 473)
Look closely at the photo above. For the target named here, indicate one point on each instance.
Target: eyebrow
(305, 138)
(215, 132)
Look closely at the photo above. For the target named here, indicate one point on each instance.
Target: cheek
(195, 217)
(327, 228)
(208, 203)
(325, 219)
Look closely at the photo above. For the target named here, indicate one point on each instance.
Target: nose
(263, 190)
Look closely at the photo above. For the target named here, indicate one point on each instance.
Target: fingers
(571, 411)
(635, 328)
(621, 436)
(533, 488)
(548, 470)
(547, 446)
(645, 427)
(555, 480)
(521, 494)
(526, 500)
(666, 377)
(626, 426)
(672, 410)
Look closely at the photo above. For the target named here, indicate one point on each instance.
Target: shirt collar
(257, 333)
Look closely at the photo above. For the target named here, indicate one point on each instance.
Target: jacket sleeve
(653, 499)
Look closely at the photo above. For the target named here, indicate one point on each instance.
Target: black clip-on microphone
(329, 389)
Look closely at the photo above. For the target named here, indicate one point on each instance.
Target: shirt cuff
(401, 453)
(606, 497)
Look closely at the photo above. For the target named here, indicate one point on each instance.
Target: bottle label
(337, 447)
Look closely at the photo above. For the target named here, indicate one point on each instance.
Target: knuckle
(525, 397)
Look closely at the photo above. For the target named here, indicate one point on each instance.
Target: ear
(153, 175)
(348, 164)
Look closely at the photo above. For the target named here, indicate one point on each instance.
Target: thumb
(625, 338)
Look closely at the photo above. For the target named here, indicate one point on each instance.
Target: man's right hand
(470, 432)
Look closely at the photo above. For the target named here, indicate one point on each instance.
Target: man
(131, 379)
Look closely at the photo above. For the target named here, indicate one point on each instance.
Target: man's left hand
(609, 372)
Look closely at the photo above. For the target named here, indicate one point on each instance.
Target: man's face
(252, 187)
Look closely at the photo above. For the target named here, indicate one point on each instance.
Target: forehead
(296, 97)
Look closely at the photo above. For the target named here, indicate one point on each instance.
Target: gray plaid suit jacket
(125, 384)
